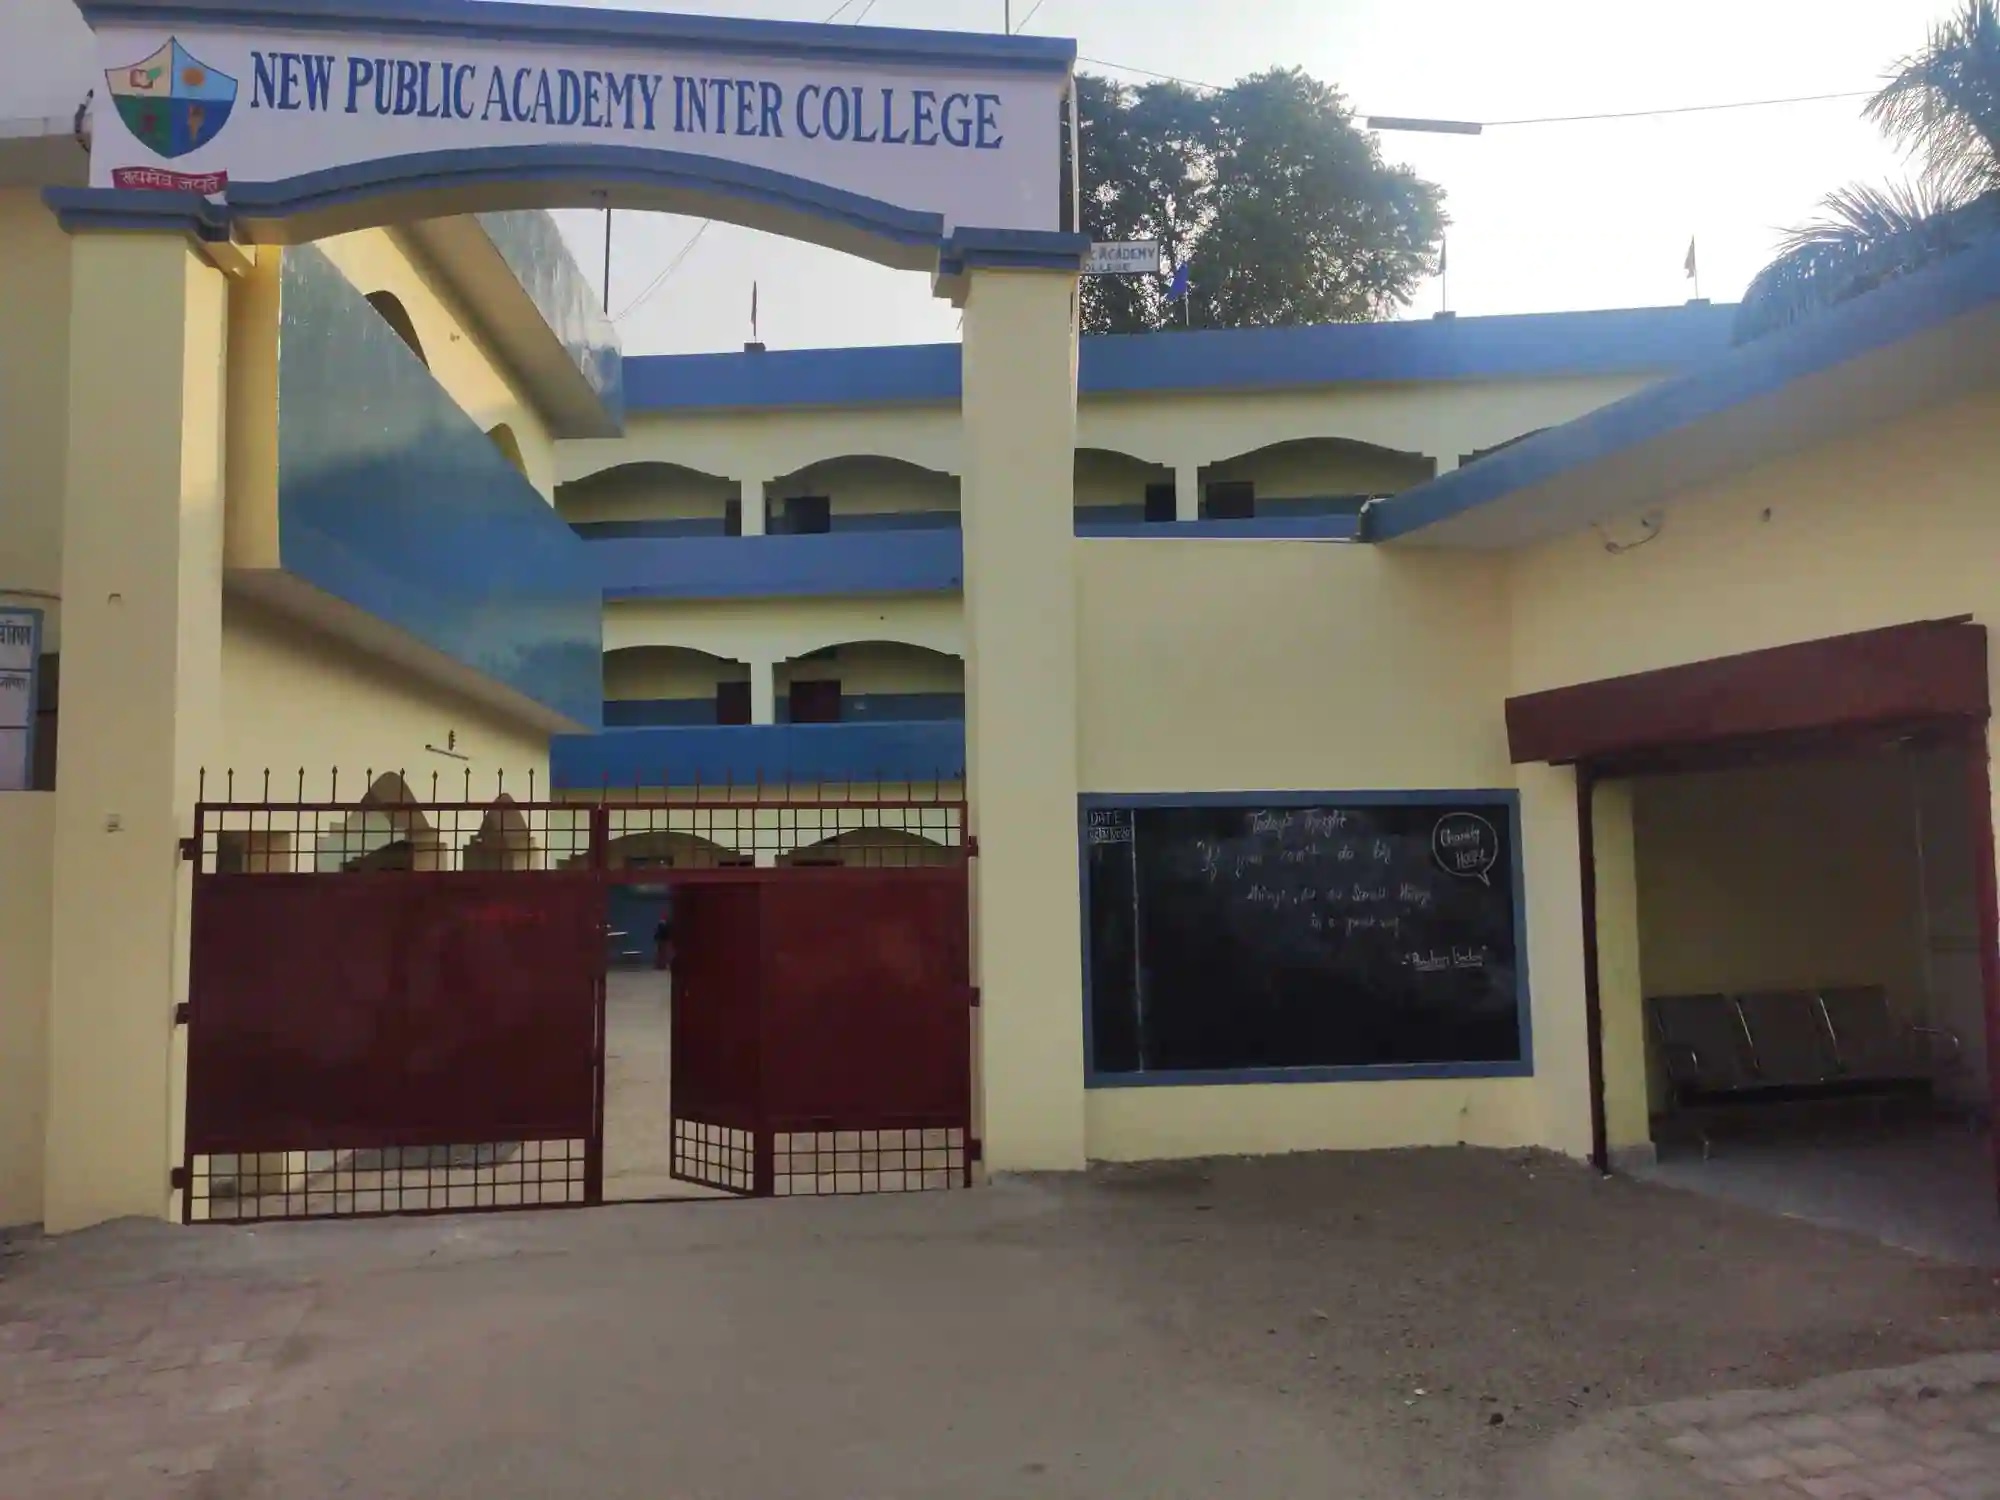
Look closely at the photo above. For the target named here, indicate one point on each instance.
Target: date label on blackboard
(1111, 825)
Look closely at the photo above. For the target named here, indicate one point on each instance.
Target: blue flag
(1180, 287)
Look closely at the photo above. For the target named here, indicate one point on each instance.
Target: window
(732, 703)
(48, 688)
(816, 702)
(1230, 500)
(1160, 502)
(808, 514)
(732, 518)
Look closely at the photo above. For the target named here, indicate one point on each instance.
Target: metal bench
(1723, 1051)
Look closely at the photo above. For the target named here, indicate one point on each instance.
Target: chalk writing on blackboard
(1110, 826)
(1466, 845)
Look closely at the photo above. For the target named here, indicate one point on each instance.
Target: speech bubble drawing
(1467, 846)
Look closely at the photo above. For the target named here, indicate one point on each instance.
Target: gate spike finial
(531, 783)
(302, 783)
(267, 786)
(201, 785)
(499, 782)
(434, 786)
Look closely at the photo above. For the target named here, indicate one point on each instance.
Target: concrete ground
(1438, 1323)
(1926, 1187)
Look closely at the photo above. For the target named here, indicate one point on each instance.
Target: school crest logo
(172, 101)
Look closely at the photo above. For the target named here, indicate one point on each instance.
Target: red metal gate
(822, 1032)
(398, 1006)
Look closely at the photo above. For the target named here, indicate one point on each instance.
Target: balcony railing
(749, 754)
(915, 561)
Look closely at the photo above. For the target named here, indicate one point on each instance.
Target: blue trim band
(1012, 249)
(1632, 341)
(1888, 315)
(585, 166)
(81, 210)
(1380, 1073)
(575, 26)
(1334, 528)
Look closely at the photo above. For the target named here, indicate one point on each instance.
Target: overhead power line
(1618, 114)
(680, 257)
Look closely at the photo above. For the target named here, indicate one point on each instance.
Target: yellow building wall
(648, 672)
(34, 411)
(1249, 666)
(27, 875)
(1105, 478)
(865, 486)
(885, 667)
(376, 260)
(1311, 469)
(762, 445)
(292, 697)
(1781, 878)
(1442, 419)
(1893, 524)
(654, 492)
(776, 630)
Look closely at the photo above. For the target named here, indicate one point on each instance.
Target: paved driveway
(1450, 1323)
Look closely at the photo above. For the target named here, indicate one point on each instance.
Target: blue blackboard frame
(36, 621)
(1507, 797)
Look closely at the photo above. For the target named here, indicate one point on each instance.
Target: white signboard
(201, 107)
(1126, 258)
(20, 657)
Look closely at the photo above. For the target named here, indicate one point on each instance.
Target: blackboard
(1238, 935)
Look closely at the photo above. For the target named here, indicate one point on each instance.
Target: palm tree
(1942, 104)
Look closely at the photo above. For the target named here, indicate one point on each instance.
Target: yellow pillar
(1018, 498)
(142, 628)
(1551, 860)
(1627, 1120)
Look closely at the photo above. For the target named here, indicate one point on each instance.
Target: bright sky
(1544, 216)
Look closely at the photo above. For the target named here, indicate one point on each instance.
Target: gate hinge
(972, 996)
(190, 849)
(177, 1179)
(975, 1150)
(971, 846)
(183, 1013)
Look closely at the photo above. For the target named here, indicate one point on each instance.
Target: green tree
(1942, 104)
(1284, 209)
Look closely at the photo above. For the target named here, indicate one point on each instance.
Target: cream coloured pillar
(142, 631)
(1018, 492)
(1628, 1128)
(763, 691)
(754, 507)
(1187, 492)
(1554, 894)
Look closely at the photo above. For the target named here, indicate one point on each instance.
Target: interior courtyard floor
(1928, 1187)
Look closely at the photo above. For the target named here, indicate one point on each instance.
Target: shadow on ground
(1391, 1324)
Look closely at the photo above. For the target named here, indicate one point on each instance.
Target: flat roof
(1917, 342)
(1638, 340)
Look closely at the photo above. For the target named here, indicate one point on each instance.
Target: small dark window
(808, 514)
(48, 689)
(1231, 500)
(816, 702)
(1159, 502)
(732, 518)
(732, 703)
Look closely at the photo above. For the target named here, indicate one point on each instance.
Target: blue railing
(748, 567)
(745, 754)
(392, 499)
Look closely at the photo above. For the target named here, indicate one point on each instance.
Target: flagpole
(607, 260)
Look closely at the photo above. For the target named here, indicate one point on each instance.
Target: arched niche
(649, 492)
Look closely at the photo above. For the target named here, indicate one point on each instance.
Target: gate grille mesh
(249, 1187)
